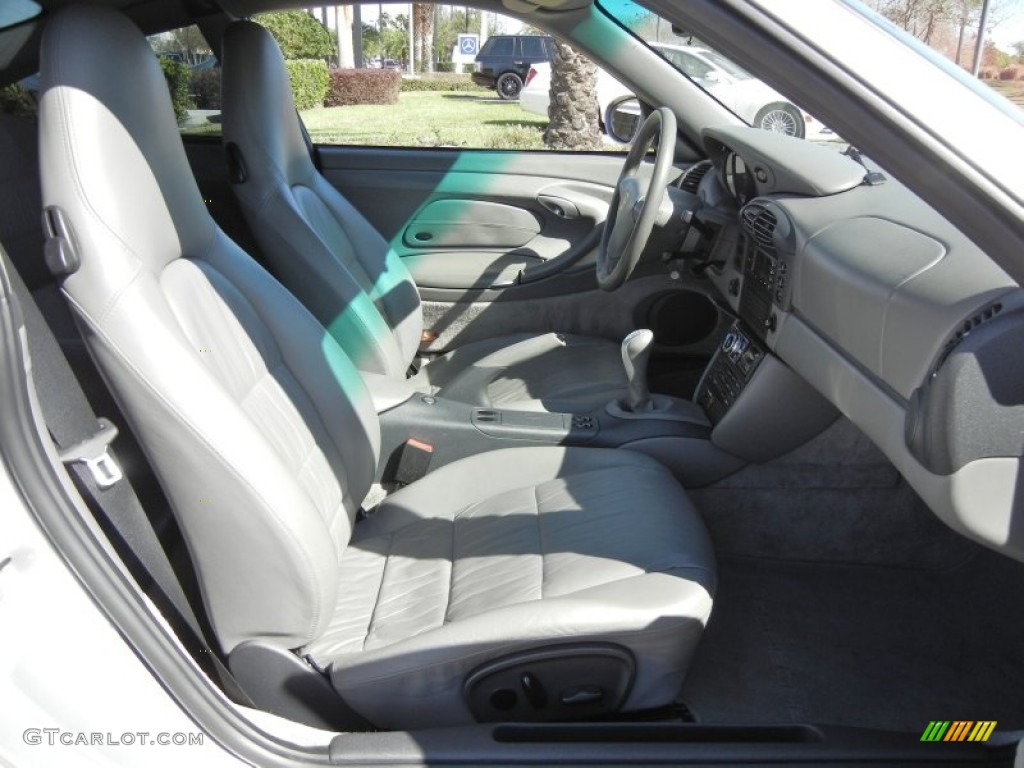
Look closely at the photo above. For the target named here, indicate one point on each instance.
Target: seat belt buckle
(413, 462)
(92, 451)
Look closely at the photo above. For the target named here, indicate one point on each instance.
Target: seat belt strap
(314, 155)
(83, 444)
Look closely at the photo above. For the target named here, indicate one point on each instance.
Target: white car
(755, 102)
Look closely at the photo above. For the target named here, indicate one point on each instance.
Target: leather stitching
(540, 539)
(380, 590)
(451, 570)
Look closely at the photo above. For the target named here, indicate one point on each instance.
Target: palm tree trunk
(572, 109)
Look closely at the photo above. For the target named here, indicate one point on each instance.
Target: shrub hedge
(299, 34)
(206, 88)
(440, 82)
(177, 75)
(1012, 73)
(308, 79)
(363, 86)
(15, 100)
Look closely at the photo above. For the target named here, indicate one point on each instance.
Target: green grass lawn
(430, 119)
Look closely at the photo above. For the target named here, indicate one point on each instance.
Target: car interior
(714, 444)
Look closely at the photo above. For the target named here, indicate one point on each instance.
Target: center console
(679, 436)
(748, 407)
(730, 371)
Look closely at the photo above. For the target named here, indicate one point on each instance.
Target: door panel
(390, 186)
(458, 223)
(474, 219)
(475, 291)
(479, 295)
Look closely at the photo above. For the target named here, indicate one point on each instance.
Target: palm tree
(572, 108)
(423, 18)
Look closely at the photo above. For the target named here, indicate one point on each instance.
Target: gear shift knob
(636, 351)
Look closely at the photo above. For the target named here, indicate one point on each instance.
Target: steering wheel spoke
(635, 204)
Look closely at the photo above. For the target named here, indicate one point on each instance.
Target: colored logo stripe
(982, 730)
(958, 730)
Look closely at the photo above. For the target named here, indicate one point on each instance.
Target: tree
(343, 29)
(1018, 50)
(387, 39)
(423, 25)
(965, 16)
(187, 41)
(572, 108)
(948, 26)
(300, 35)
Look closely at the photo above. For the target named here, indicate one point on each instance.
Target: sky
(1009, 28)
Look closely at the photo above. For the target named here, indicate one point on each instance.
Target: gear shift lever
(636, 350)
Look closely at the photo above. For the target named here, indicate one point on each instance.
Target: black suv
(504, 60)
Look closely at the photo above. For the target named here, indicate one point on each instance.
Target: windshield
(14, 12)
(740, 91)
(995, 57)
(727, 66)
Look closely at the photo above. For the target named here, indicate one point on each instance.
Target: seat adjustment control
(581, 695)
(533, 691)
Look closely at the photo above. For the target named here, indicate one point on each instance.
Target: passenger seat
(353, 281)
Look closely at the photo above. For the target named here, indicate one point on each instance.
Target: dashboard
(739, 182)
(887, 310)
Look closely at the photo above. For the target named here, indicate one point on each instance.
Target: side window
(533, 48)
(503, 46)
(460, 94)
(477, 80)
(193, 79)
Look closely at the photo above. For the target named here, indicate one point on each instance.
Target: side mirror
(623, 120)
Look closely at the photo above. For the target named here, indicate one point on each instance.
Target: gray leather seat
(349, 277)
(265, 439)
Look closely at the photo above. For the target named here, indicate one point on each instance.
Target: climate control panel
(731, 369)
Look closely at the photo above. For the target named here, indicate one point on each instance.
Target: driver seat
(344, 271)
(582, 572)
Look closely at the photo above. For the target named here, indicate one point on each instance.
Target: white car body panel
(66, 668)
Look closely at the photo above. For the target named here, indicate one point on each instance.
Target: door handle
(562, 208)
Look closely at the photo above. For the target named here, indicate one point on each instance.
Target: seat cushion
(537, 372)
(512, 550)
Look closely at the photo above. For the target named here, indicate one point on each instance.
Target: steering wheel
(635, 203)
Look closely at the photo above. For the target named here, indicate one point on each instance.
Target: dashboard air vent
(965, 329)
(691, 179)
(760, 223)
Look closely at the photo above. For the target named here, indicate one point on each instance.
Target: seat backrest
(257, 424)
(311, 237)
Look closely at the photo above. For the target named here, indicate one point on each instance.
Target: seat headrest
(111, 155)
(259, 110)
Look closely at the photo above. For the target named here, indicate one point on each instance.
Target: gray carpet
(867, 646)
(836, 499)
(843, 600)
